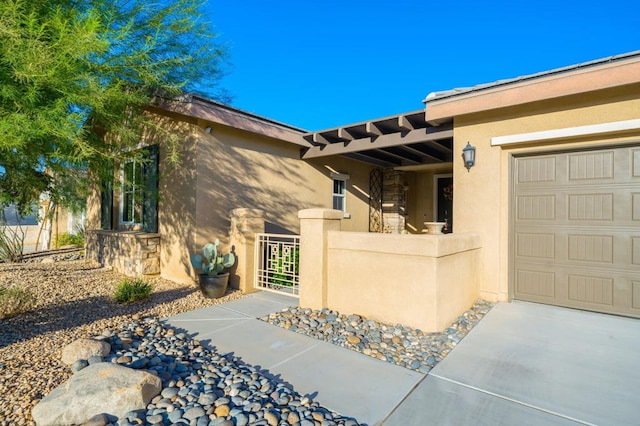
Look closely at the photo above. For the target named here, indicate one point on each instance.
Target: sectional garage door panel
(576, 238)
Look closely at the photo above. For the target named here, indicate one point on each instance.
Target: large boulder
(83, 349)
(99, 388)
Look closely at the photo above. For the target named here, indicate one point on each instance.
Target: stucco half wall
(423, 281)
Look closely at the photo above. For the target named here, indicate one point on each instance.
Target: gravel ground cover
(73, 300)
(404, 346)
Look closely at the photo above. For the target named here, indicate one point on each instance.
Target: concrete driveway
(531, 364)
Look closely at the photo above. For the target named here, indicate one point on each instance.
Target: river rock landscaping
(73, 299)
(199, 385)
(75, 326)
(404, 346)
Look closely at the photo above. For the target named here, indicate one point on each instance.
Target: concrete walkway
(344, 381)
(524, 364)
(531, 364)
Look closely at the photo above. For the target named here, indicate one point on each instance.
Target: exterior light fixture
(469, 156)
(208, 129)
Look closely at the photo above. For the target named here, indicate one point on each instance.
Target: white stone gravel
(73, 300)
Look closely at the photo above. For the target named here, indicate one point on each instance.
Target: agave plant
(211, 261)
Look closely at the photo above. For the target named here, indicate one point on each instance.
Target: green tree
(73, 71)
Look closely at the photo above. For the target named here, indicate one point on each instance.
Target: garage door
(576, 229)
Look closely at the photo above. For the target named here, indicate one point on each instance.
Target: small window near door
(339, 195)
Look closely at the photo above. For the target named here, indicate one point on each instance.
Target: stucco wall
(93, 209)
(424, 281)
(228, 169)
(177, 205)
(236, 169)
(481, 196)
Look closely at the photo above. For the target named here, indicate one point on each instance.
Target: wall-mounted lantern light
(208, 129)
(469, 156)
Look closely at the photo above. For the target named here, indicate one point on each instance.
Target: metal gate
(277, 259)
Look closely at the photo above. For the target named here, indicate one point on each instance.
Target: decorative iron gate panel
(277, 258)
(375, 200)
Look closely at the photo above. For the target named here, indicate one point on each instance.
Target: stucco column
(314, 226)
(245, 223)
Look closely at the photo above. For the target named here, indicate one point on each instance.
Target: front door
(443, 200)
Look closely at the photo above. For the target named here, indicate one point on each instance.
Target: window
(131, 200)
(106, 201)
(339, 194)
(138, 193)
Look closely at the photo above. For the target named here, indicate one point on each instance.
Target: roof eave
(438, 95)
(201, 108)
(544, 86)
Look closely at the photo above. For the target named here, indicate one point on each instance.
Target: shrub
(130, 290)
(11, 243)
(67, 239)
(283, 275)
(14, 301)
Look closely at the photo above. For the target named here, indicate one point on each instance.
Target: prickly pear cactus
(215, 262)
(210, 251)
(228, 260)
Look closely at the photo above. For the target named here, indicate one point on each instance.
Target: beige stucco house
(555, 193)
(228, 159)
(548, 213)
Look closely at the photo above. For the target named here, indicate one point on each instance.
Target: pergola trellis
(400, 140)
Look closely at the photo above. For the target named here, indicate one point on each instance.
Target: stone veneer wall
(393, 202)
(131, 253)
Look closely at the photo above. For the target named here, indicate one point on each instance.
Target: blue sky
(320, 64)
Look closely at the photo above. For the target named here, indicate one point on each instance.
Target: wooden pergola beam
(382, 141)
(344, 134)
(402, 158)
(404, 124)
(372, 130)
(371, 160)
(421, 153)
(319, 139)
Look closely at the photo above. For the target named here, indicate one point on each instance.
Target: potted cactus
(213, 280)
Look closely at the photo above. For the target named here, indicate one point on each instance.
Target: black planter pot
(213, 286)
